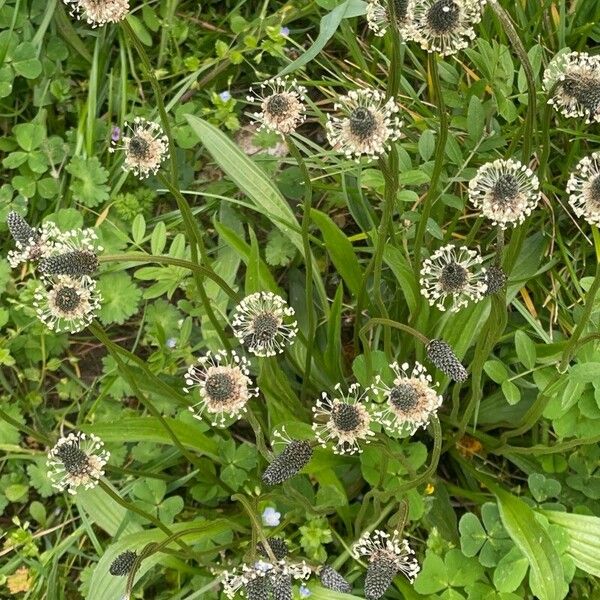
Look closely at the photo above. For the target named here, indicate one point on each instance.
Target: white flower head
(69, 304)
(453, 275)
(73, 253)
(263, 322)
(410, 401)
(145, 148)
(387, 555)
(31, 243)
(77, 460)
(366, 124)
(343, 420)
(574, 79)
(256, 580)
(506, 192)
(444, 26)
(224, 385)
(281, 102)
(99, 12)
(379, 18)
(584, 189)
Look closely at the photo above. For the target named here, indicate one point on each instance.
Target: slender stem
(390, 173)
(308, 292)
(176, 262)
(438, 165)
(583, 321)
(24, 428)
(196, 244)
(517, 44)
(142, 513)
(103, 337)
(192, 230)
(256, 528)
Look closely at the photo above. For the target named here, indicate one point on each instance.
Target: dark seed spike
(443, 16)
(332, 580)
(122, 564)
(295, 456)
(76, 263)
(442, 356)
(258, 588)
(73, 458)
(281, 586)
(495, 278)
(380, 574)
(345, 416)
(19, 229)
(278, 546)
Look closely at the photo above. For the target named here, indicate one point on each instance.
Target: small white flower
(270, 517)
(366, 126)
(255, 581)
(574, 79)
(506, 191)
(444, 26)
(145, 148)
(343, 419)
(584, 189)
(30, 243)
(99, 12)
(263, 322)
(387, 555)
(378, 16)
(224, 386)
(68, 304)
(77, 460)
(281, 103)
(453, 274)
(410, 401)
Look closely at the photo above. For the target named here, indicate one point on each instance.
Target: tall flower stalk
(192, 230)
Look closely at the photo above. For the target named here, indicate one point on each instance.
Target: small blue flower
(225, 96)
(284, 31)
(116, 134)
(304, 591)
(271, 517)
(171, 343)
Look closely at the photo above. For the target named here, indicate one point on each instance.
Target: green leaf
(88, 184)
(427, 144)
(340, 250)
(472, 534)
(38, 477)
(542, 488)
(496, 371)
(585, 372)
(547, 575)
(328, 26)
(511, 571)
(105, 586)
(475, 118)
(25, 62)
(511, 392)
(29, 135)
(433, 576)
(584, 538)
(150, 429)
(525, 349)
(120, 297)
(138, 228)
(255, 183)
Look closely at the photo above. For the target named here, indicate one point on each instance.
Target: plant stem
(517, 44)
(438, 165)
(583, 321)
(142, 513)
(192, 231)
(112, 348)
(139, 257)
(308, 292)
